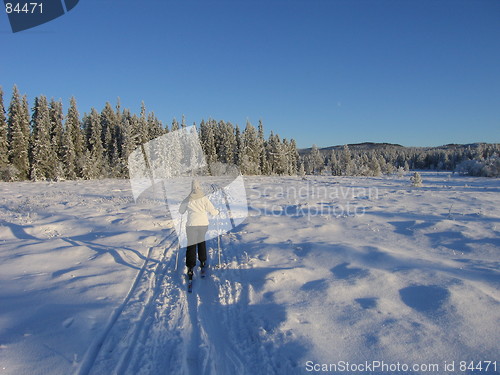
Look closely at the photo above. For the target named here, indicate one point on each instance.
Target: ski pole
(218, 240)
(178, 245)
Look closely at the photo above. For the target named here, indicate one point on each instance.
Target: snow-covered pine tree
(95, 159)
(416, 179)
(239, 146)
(207, 139)
(250, 158)
(44, 158)
(293, 158)
(362, 164)
(301, 171)
(74, 131)
(57, 135)
(175, 125)
(4, 144)
(18, 134)
(155, 127)
(333, 164)
(286, 157)
(261, 143)
(226, 142)
(69, 159)
(270, 152)
(346, 162)
(128, 144)
(108, 134)
(316, 160)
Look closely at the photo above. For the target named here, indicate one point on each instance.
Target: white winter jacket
(197, 206)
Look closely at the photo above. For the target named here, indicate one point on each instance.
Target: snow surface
(325, 269)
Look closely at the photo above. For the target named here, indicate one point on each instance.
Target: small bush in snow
(416, 179)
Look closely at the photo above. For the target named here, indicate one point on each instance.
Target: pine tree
(374, 164)
(128, 124)
(280, 162)
(18, 134)
(250, 158)
(227, 143)
(108, 128)
(207, 139)
(334, 164)
(69, 158)
(239, 146)
(261, 149)
(175, 125)
(95, 157)
(4, 144)
(286, 157)
(416, 179)
(57, 134)
(347, 165)
(293, 157)
(317, 160)
(44, 159)
(74, 132)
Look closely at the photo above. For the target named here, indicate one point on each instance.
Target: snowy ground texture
(324, 271)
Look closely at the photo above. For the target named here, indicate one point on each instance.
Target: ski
(189, 279)
(203, 272)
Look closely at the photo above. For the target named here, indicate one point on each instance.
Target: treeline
(45, 144)
(479, 159)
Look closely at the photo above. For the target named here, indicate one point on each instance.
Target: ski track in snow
(161, 328)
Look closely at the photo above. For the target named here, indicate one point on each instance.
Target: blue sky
(325, 72)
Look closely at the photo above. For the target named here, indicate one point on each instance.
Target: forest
(45, 142)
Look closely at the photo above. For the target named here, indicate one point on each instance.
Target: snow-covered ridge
(88, 285)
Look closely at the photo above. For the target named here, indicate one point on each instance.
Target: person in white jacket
(197, 206)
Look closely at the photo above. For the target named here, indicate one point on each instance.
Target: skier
(197, 206)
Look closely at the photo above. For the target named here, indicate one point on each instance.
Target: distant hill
(369, 146)
(354, 146)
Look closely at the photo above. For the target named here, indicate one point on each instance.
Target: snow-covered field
(324, 271)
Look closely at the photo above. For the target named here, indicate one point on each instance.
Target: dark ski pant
(196, 238)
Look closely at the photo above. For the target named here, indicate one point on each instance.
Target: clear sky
(325, 72)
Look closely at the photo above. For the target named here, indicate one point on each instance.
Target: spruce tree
(4, 144)
(44, 159)
(250, 157)
(334, 164)
(207, 139)
(56, 128)
(95, 156)
(293, 157)
(226, 141)
(108, 128)
(18, 135)
(261, 148)
(317, 160)
(346, 162)
(128, 124)
(155, 128)
(74, 132)
(69, 158)
(175, 125)
(239, 146)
